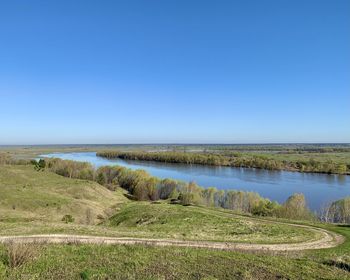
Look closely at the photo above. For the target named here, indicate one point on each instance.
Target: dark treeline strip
(234, 160)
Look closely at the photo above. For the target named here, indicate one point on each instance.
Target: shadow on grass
(129, 196)
(338, 264)
(346, 226)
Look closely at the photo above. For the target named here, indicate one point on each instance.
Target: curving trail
(328, 240)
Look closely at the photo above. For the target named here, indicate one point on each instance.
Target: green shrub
(68, 219)
(84, 275)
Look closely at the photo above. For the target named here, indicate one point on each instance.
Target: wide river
(318, 189)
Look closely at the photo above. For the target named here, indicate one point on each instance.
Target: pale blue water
(275, 185)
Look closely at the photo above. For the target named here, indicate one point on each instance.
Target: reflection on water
(341, 179)
(276, 185)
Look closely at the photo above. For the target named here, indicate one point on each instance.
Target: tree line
(233, 160)
(142, 186)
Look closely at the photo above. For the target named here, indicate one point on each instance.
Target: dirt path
(328, 240)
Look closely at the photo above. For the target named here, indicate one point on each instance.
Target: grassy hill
(43, 198)
(153, 220)
(29, 195)
(33, 202)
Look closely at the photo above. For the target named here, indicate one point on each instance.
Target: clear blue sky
(174, 71)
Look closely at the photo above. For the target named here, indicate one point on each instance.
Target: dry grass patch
(17, 254)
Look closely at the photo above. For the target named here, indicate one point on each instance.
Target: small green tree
(186, 198)
(146, 189)
(295, 208)
(101, 179)
(68, 219)
(40, 165)
(265, 207)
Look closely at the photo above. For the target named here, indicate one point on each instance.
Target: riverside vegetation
(142, 186)
(57, 196)
(318, 160)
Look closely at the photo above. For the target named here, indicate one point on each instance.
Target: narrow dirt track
(328, 240)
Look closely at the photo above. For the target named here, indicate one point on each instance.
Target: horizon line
(181, 143)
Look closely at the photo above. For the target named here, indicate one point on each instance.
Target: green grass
(337, 157)
(42, 198)
(29, 195)
(147, 262)
(143, 262)
(340, 254)
(33, 202)
(144, 219)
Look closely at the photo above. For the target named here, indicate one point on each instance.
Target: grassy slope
(142, 262)
(340, 255)
(26, 194)
(42, 198)
(144, 219)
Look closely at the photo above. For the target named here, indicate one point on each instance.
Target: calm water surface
(275, 185)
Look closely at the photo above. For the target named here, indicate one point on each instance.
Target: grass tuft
(17, 254)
